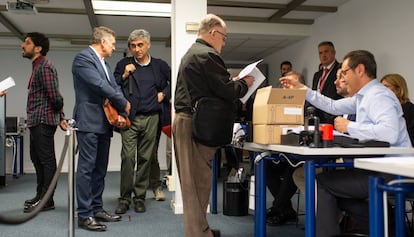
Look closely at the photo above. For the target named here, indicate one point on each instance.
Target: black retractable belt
(21, 219)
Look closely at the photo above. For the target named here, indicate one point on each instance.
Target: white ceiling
(255, 28)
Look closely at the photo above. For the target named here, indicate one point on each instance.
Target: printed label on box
(292, 111)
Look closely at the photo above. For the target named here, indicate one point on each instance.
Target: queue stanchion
(71, 174)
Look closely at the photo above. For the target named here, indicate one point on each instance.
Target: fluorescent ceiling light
(131, 8)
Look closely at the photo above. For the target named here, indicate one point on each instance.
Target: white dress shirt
(378, 112)
(102, 60)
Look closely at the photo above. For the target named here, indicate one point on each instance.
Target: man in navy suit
(94, 82)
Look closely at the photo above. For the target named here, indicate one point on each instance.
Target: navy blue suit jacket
(91, 88)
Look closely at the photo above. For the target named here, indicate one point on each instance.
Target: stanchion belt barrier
(14, 220)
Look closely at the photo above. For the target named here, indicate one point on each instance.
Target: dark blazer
(199, 79)
(91, 88)
(329, 90)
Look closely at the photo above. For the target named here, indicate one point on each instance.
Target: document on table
(252, 70)
(7, 83)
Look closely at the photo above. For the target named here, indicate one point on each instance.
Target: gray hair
(139, 34)
(99, 33)
(210, 21)
(327, 43)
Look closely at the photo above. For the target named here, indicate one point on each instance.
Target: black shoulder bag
(212, 121)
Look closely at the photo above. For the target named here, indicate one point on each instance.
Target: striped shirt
(43, 93)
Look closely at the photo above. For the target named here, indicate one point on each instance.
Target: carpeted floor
(158, 220)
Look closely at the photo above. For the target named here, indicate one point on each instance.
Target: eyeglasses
(343, 73)
(224, 35)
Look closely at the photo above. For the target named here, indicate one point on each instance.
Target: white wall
(14, 65)
(381, 26)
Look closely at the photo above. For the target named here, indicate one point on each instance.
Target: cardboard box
(270, 134)
(279, 106)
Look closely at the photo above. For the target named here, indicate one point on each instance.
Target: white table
(310, 156)
(401, 166)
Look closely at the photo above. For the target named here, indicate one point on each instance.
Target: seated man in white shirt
(379, 117)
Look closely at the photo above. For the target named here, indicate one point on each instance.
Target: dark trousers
(42, 154)
(342, 190)
(280, 184)
(91, 172)
(155, 171)
(138, 144)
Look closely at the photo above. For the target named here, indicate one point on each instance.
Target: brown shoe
(159, 194)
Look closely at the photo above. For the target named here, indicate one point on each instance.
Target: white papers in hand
(252, 70)
(7, 83)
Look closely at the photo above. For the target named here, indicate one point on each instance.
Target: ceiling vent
(21, 7)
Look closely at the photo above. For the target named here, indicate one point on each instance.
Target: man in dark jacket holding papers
(202, 73)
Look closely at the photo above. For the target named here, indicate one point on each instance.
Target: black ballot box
(236, 198)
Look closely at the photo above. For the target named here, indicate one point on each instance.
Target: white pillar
(183, 12)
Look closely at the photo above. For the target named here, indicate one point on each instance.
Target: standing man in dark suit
(323, 80)
(94, 82)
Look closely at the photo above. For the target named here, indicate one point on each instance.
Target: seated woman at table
(379, 117)
(397, 84)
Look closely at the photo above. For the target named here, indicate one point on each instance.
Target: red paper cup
(327, 132)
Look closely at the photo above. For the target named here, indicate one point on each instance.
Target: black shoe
(291, 216)
(91, 224)
(31, 201)
(272, 211)
(106, 217)
(281, 219)
(139, 206)
(121, 208)
(30, 207)
(48, 206)
(216, 233)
